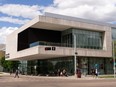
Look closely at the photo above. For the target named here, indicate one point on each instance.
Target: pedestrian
(96, 73)
(16, 73)
(78, 71)
(11, 72)
(93, 72)
(61, 73)
(58, 72)
(64, 72)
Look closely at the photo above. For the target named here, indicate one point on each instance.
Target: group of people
(61, 72)
(94, 72)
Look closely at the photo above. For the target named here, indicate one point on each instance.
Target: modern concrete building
(51, 42)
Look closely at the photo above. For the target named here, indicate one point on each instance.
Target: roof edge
(77, 19)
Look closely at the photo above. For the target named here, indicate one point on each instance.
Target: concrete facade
(59, 24)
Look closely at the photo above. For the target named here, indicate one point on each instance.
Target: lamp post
(114, 58)
(75, 55)
(35, 67)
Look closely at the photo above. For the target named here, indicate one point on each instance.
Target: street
(39, 81)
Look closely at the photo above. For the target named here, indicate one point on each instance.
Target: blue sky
(27, 2)
(21, 2)
(15, 13)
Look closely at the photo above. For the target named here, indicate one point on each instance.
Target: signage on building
(50, 48)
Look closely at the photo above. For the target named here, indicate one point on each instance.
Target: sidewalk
(88, 77)
(62, 77)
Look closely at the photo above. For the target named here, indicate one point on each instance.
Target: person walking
(16, 74)
(96, 73)
(58, 72)
(11, 72)
(93, 73)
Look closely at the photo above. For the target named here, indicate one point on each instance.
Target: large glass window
(84, 39)
(88, 39)
(67, 40)
(51, 66)
(114, 33)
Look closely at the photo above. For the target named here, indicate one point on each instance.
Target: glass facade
(23, 67)
(88, 39)
(32, 67)
(102, 64)
(113, 33)
(67, 38)
(50, 67)
(84, 39)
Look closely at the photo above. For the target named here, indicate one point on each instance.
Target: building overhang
(39, 52)
(50, 26)
(35, 57)
(60, 24)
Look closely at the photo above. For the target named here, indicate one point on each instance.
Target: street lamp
(75, 55)
(35, 67)
(114, 58)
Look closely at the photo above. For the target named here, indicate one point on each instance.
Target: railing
(50, 44)
(62, 45)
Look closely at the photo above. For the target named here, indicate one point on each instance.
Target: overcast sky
(15, 13)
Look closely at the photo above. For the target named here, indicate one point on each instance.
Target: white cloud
(4, 31)
(13, 20)
(18, 10)
(102, 10)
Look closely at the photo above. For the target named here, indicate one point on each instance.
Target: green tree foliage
(8, 65)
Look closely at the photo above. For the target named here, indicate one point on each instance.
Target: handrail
(50, 44)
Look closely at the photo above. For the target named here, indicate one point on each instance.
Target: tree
(3, 62)
(8, 65)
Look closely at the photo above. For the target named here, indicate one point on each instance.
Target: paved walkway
(7, 80)
(6, 77)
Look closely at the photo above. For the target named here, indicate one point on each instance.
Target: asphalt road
(32, 81)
